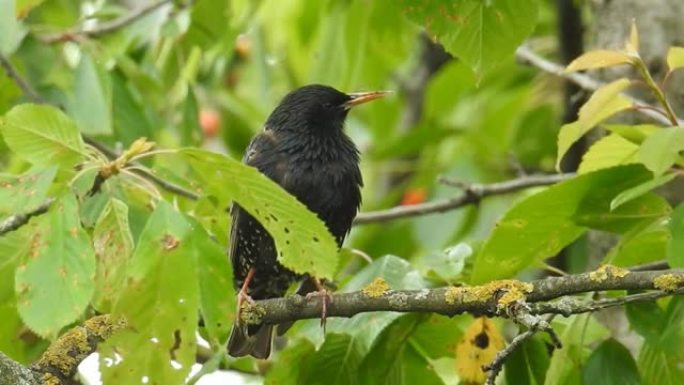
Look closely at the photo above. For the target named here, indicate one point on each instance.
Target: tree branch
(60, 361)
(472, 194)
(478, 300)
(15, 221)
(20, 81)
(103, 28)
(526, 55)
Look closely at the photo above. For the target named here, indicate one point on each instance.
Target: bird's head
(316, 108)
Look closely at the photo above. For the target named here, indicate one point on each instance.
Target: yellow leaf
(599, 59)
(610, 151)
(675, 58)
(604, 103)
(478, 347)
(632, 45)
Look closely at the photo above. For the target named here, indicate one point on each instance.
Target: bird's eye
(327, 105)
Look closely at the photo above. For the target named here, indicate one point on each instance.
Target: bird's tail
(245, 340)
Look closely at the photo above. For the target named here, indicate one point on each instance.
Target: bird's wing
(261, 153)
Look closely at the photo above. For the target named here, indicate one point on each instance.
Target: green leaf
(599, 58)
(12, 31)
(217, 295)
(293, 362)
(25, 192)
(634, 133)
(661, 149)
(611, 363)
(646, 318)
(640, 190)
(56, 281)
(12, 247)
(402, 362)
(578, 332)
(25, 6)
(642, 246)
(595, 213)
(609, 151)
(675, 249)
(190, 129)
(304, 243)
(438, 335)
(481, 33)
(660, 360)
(92, 103)
(675, 58)
(42, 135)
(129, 120)
(528, 363)
(336, 362)
(446, 265)
(542, 224)
(390, 344)
(398, 273)
(160, 304)
(602, 104)
(659, 367)
(113, 245)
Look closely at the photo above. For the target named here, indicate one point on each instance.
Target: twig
(20, 81)
(15, 221)
(526, 55)
(657, 265)
(473, 194)
(104, 28)
(497, 364)
(567, 305)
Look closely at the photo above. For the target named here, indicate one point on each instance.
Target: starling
(304, 149)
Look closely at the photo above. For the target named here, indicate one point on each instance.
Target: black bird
(304, 149)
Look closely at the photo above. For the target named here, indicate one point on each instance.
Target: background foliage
(206, 74)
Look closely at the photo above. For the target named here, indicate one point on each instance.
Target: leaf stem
(657, 91)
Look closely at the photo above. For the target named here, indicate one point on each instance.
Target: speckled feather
(304, 149)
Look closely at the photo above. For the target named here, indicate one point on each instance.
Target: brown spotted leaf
(55, 282)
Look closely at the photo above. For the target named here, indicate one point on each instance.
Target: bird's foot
(326, 298)
(242, 295)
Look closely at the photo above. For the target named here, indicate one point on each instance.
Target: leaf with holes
(42, 135)
(160, 303)
(25, 192)
(113, 244)
(481, 33)
(604, 103)
(55, 282)
(303, 241)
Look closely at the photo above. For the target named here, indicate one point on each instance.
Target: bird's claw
(326, 299)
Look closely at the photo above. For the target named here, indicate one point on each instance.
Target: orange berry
(210, 121)
(413, 196)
